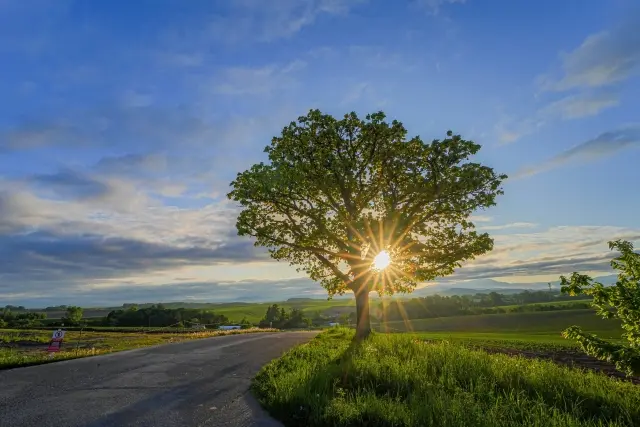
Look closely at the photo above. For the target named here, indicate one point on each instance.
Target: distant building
(198, 326)
(334, 324)
(229, 327)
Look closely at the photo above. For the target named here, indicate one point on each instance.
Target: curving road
(195, 383)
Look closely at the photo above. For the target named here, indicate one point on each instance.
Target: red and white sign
(56, 341)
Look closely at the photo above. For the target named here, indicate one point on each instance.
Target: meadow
(28, 347)
(399, 380)
(254, 312)
(539, 322)
(236, 311)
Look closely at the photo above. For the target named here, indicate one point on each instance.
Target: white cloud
(602, 59)
(509, 131)
(263, 21)
(433, 6)
(552, 251)
(507, 226)
(363, 91)
(582, 105)
(577, 106)
(481, 218)
(256, 81)
(604, 144)
(135, 99)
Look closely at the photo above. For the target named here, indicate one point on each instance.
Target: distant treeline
(20, 319)
(491, 303)
(158, 315)
(278, 317)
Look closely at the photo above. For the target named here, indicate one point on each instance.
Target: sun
(382, 261)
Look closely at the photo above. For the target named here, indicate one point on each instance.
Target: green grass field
(550, 322)
(28, 347)
(236, 311)
(254, 312)
(397, 380)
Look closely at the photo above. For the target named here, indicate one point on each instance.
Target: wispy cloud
(550, 251)
(591, 72)
(570, 107)
(602, 59)
(507, 226)
(257, 20)
(256, 81)
(180, 59)
(600, 146)
(581, 105)
(135, 99)
(433, 6)
(481, 218)
(509, 131)
(363, 91)
(114, 293)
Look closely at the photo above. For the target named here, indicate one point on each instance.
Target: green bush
(620, 301)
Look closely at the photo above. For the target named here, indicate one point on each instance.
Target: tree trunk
(363, 325)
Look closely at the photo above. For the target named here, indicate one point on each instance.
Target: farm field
(534, 335)
(236, 311)
(28, 347)
(541, 322)
(387, 379)
(254, 312)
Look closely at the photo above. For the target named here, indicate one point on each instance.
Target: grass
(518, 331)
(396, 380)
(516, 341)
(24, 348)
(236, 311)
(541, 322)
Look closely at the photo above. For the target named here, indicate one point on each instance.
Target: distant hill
(470, 287)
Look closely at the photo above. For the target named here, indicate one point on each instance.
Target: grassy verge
(397, 380)
(25, 348)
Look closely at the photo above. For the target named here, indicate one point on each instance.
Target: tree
(620, 301)
(73, 315)
(495, 299)
(336, 193)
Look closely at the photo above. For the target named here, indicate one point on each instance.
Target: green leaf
(620, 301)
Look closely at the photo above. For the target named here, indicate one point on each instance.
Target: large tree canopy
(338, 192)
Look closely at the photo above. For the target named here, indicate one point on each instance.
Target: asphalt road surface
(195, 383)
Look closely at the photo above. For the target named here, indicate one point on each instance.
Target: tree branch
(334, 268)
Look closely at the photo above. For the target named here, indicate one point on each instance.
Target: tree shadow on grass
(309, 404)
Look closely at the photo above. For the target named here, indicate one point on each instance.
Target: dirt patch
(572, 358)
(23, 344)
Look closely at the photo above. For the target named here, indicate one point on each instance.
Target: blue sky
(122, 124)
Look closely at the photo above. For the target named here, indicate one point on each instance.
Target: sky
(123, 123)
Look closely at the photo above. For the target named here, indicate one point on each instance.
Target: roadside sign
(56, 341)
(54, 346)
(59, 334)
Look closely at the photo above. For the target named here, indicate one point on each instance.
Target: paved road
(195, 383)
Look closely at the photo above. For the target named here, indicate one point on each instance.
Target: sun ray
(403, 314)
